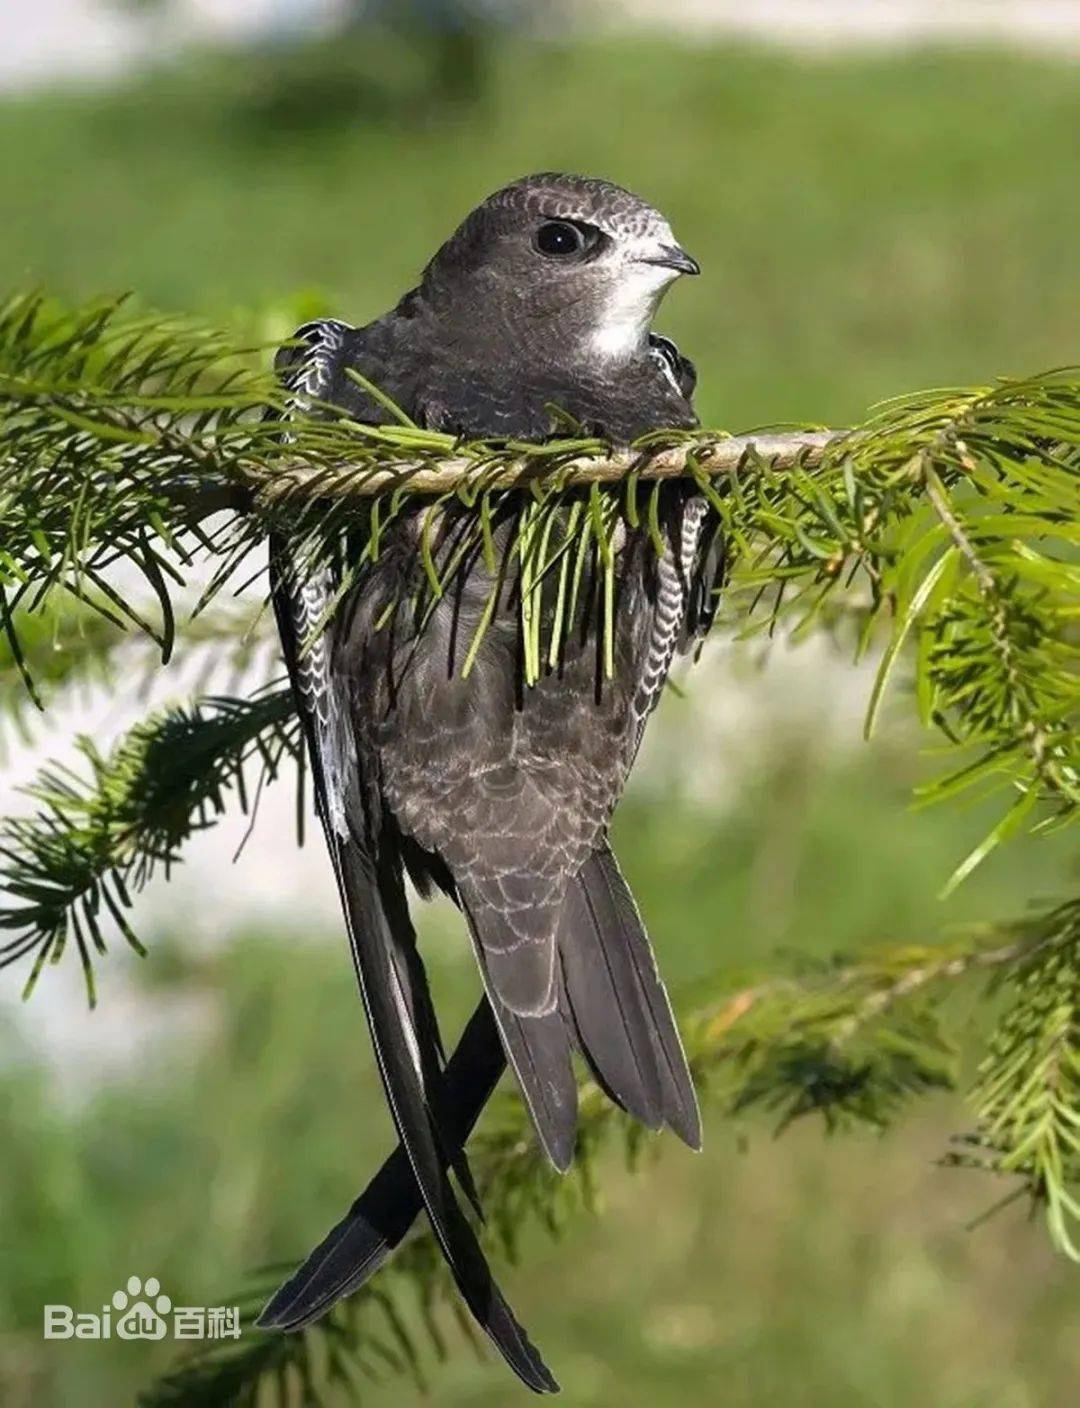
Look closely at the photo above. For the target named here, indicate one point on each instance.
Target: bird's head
(572, 263)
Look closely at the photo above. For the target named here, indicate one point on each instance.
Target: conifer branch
(68, 644)
(73, 864)
(1027, 1089)
(524, 466)
(950, 517)
(956, 509)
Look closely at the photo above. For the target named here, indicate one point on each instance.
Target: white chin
(623, 327)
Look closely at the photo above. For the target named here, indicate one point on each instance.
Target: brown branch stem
(710, 454)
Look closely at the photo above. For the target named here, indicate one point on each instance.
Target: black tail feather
(611, 1006)
(539, 1051)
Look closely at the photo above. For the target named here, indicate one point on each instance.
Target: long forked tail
(612, 1008)
(610, 1005)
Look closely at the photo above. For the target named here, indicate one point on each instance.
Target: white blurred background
(95, 37)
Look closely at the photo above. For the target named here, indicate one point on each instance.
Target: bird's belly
(454, 721)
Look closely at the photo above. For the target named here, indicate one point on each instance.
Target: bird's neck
(618, 331)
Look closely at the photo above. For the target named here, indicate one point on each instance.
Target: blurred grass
(866, 227)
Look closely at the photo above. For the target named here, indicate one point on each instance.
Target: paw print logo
(139, 1319)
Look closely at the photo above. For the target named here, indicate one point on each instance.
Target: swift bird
(496, 792)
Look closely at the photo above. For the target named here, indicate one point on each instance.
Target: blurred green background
(866, 226)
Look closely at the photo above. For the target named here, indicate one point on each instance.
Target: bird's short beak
(671, 256)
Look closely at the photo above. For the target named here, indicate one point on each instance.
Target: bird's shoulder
(315, 364)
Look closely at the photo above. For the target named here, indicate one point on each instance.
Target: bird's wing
(692, 570)
(689, 574)
(382, 944)
(306, 367)
(359, 1244)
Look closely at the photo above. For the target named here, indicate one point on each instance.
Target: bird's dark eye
(558, 238)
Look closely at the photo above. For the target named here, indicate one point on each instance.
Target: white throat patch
(623, 327)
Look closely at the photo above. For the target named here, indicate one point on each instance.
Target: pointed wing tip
(528, 1365)
(531, 1369)
(686, 1125)
(290, 1309)
(279, 1312)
